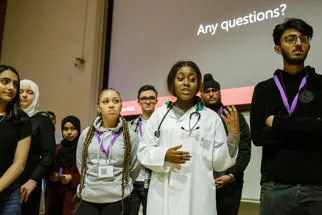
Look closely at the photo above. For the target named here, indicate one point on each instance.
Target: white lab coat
(187, 189)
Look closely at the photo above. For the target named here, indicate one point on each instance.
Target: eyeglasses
(292, 39)
(151, 98)
(213, 90)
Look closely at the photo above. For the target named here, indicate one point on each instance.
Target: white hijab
(33, 108)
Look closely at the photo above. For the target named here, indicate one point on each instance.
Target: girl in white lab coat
(184, 143)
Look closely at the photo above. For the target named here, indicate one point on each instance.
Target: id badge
(105, 172)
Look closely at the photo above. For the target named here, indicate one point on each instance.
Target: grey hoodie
(106, 190)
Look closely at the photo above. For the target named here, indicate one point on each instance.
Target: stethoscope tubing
(157, 132)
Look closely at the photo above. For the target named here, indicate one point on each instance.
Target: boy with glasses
(147, 98)
(286, 121)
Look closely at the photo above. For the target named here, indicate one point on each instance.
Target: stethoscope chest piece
(157, 133)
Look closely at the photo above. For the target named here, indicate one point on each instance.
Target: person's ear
(98, 109)
(278, 49)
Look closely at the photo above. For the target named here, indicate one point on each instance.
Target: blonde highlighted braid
(88, 140)
(127, 155)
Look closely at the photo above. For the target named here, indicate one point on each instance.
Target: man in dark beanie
(211, 93)
(229, 183)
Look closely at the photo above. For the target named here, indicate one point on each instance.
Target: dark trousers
(115, 208)
(138, 196)
(287, 199)
(10, 205)
(31, 207)
(60, 200)
(228, 199)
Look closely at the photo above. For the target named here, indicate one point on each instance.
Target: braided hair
(88, 140)
(127, 155)
(127, 152)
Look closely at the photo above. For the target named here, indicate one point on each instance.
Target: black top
(292, 147)
(244, 150)
(10, 134)
(42, 149)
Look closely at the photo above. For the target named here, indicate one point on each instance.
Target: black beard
(296, 61)
(214, 107)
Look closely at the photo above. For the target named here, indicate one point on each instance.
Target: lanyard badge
(105, 171)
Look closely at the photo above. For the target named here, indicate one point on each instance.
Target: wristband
(232, 177)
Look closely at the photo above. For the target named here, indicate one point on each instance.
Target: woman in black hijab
(64, 179)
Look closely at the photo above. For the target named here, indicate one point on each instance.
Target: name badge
(105, 172)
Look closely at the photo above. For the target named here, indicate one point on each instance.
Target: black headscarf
(67, 153)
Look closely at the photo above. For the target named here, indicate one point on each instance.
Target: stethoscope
(195, 113)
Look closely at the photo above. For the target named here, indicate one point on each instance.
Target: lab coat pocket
(178, 180)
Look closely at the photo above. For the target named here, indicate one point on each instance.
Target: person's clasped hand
(174, 155)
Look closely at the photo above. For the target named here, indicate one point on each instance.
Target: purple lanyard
(140, 126)
(221, 109)
(289, 109)
(60, 170)
(107, 151)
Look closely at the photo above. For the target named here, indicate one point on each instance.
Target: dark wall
(3, 4)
